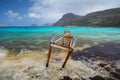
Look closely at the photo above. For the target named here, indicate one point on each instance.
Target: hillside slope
(110, 17)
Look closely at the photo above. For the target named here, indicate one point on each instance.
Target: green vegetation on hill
(110, 17)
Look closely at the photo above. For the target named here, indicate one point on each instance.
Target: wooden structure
(66, 42)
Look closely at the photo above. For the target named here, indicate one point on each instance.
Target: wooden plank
(58, 40)
(67, 58)
(60, 47)
(49, 55)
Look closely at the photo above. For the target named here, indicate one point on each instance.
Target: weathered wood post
(50, 50)
(49, 55)
(68, 55)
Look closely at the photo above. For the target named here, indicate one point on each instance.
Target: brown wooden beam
(60, 47)
(67, 58)
(49, 55)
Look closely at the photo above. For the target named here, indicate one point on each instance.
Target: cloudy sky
(26, 12)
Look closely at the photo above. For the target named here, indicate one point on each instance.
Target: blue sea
(34, 38)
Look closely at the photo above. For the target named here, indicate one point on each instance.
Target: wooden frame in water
(66, 42)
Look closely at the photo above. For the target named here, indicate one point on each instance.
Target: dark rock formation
(115, 75)
(110, 17)
(102, 64)
(66, 78)
(117, 70)
(109, 51)
(96, 78)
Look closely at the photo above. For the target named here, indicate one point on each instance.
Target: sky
(27, 12)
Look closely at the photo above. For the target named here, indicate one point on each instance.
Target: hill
(110, 17)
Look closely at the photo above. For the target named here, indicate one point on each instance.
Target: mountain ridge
(109, 17)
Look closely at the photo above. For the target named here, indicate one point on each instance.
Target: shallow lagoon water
(37, 38)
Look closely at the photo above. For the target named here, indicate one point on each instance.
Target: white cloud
(19, 17)
(13, 15)
(52, 10)
(34, 15)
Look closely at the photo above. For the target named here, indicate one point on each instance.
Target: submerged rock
(16, 47)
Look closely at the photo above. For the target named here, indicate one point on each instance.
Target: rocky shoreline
(30, 69)
(108, 55)
(86, 64)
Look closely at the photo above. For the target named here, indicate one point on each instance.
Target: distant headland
(109, 17)
(2, 25)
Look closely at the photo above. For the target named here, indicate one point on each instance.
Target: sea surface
(33, 38)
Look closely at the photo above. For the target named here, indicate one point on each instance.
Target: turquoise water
(37, 38)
